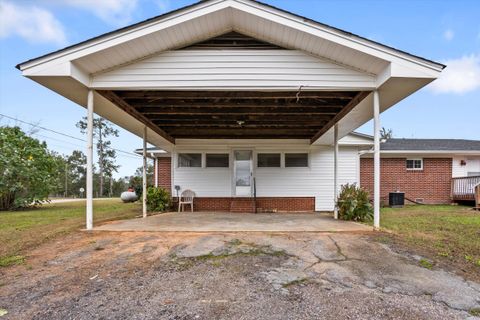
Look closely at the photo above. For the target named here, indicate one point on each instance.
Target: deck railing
(463, 188)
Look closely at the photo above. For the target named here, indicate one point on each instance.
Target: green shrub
(158, 199)
(354, 204)
(27, 169)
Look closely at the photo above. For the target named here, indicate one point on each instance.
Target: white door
(242, 164)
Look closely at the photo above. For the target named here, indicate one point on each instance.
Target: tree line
(31, 173)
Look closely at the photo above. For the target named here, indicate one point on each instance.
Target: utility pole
(100, 156)
(111, 186)
(66, 179)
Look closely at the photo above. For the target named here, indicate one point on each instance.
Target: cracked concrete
(234, 275)
(350, 261)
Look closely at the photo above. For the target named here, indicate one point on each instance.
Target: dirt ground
(131, 275)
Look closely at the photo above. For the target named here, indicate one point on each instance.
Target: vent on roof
(233, 40)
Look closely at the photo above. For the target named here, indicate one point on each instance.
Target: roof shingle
(431, 144)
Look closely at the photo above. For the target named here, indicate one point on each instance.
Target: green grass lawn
(448, 232)
(26, 229)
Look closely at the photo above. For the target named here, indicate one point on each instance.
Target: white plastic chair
(186, 197)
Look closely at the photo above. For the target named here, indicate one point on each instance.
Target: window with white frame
(190, 160)
(414, 164)
(268, 160)
(217, 160)
(296, 160)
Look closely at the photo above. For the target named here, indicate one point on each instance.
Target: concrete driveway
(153, 275)
(233, 222)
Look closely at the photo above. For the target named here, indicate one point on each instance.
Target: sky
(444, 31)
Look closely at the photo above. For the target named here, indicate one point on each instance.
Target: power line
(72, 146)
(64, 134)
(43, 128)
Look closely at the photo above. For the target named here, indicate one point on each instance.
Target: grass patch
(295, 282)
(425, 264)
(254, 251)
(450, 233)
(11, 260)
(475, 312)
(26, 229)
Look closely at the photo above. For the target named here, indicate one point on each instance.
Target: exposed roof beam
(110, 95)
(268, 118)
(359, 97)
(236, 94)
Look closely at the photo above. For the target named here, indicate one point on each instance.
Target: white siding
(472, 165)
(233, 68)
(314, 181)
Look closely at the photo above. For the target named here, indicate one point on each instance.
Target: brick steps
(242, 205)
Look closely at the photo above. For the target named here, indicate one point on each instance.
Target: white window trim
(268, 152)
(289, 152)
(414, 159)
(177, 158)
(217, 152)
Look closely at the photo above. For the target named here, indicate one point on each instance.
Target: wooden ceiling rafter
(237, 114)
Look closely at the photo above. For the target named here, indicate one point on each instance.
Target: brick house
(425, 169)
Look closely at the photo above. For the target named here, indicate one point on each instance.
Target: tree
(136, 181)
(120, 185)
(386, 133)
(61, 175)
(77, 175)
(28, 169)
(102, 130)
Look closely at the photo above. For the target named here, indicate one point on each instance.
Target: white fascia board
(64, 69)
(335, 36)
(256, 9)
(452, 152)
(356, 143)
(421, 154)
(117, 38)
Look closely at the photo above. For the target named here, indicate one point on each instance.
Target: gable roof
(430, 145)
(158, 18)
(73, 71)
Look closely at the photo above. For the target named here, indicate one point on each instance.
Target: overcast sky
(444, 31)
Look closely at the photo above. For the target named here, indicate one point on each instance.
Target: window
(190, 160)
(217, 160)
(268, 160)
(414, 164)
(296, 160)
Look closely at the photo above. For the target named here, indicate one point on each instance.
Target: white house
(241, 78)
(261, 175)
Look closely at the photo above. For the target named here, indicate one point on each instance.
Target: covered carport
(229, 69)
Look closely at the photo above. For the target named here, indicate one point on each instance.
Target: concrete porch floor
(233, 222)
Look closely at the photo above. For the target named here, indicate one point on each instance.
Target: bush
(353, 203)
(28, 170)
(158, 199)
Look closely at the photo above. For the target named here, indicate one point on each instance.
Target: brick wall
(268, 204)
(432, 183)
(286, 204)
(164, 173)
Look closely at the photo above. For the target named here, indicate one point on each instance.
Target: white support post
(90, 160)
(144, 178)
(335, 169)
(376, 160)
(155, 171)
